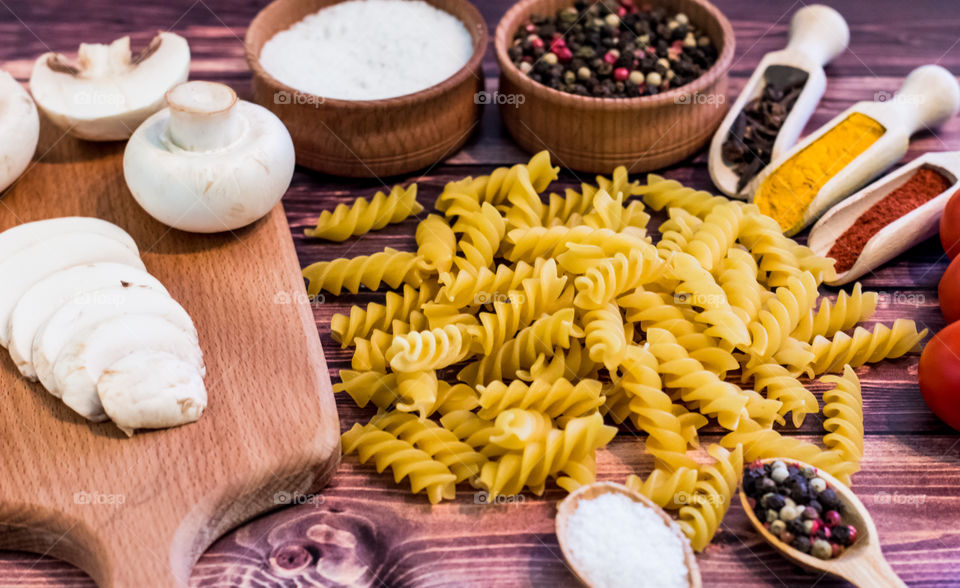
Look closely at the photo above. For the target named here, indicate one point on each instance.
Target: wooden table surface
(365, 530)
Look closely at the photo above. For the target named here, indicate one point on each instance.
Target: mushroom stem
(202, 116)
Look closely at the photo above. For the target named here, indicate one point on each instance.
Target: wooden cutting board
(139, 512)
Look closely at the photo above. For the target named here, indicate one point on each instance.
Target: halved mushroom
(87, 355)
(109, 91)
(209, 162)
(19, 130)
(28, 266)
(86, 311)
(27, 234)
(49, 294)
(151, 390)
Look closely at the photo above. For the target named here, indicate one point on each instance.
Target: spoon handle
(871, 570)
(819, 32)
(928, 97)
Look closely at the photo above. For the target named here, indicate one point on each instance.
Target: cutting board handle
(818, 32)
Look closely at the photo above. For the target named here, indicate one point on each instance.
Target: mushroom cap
(28, 266)
(47, 296)
(211, 191)
(19, 130)
(89, 353)
(109, 92)
(151, 390)
(89, 309)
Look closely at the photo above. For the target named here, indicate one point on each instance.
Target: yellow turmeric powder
(787, 192)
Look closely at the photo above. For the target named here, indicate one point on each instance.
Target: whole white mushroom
(209, 162)
(109, 91)
(19, 129)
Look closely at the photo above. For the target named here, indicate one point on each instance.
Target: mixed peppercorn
(798, 507)
(612, 49)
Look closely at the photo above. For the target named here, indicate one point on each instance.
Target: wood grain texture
(911, 470)
(140, 511)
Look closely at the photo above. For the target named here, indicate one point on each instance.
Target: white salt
(368, 50)
(619, 542)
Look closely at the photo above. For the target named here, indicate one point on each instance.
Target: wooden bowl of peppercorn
(645, 127)
(371, 138)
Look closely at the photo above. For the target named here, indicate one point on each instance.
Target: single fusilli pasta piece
(472, 286)
(436, 243)
(364, 216)
(843, 407)
(716, 483)
(667, 488)
(716, 235)
(844, 313)
(554, 399)
(482, 231)
(429, 350)
(390, 267)
(406, 461)
(830, 355)
(660, 193)
(605, 336)
(605, 281)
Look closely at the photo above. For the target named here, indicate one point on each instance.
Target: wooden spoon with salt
(817, 34)
(590, 491)
(861, 564)
(901, 234)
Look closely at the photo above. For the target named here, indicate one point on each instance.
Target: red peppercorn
(564, 54)
(538, 43)
(611, 57)
(531, 28)
(557, 43)
(621, 12)
(815, 526)
(831, 518)
(853, 534)
(787, 537)
(836, 549)
(756, 465)
(651, 50)
(621, 74)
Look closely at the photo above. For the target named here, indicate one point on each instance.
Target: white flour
(369, 49)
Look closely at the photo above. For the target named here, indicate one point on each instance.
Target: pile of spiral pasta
(552, 313)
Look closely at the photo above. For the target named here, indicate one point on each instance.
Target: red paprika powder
(925, 184)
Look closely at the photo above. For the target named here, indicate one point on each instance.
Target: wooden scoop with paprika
(853, 148)
(888, 217)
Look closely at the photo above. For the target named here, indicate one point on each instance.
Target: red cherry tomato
(949, 292)
(940, 375)
(950, 226)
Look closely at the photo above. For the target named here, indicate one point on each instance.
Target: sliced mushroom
(209, 162)
(19, 130)
(109, 92)
(84, 312)
(87, 355)
(28, 266)
(151, 390)
(27, 234)
(49, 294)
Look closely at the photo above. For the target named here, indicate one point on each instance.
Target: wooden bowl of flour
(369, 138)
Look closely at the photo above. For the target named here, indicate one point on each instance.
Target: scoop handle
(929, 97)
(818, 32)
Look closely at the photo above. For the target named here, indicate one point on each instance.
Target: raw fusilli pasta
(364, 216)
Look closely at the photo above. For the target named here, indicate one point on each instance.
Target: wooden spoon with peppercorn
(888, 217)
(842, 521)
(777, 101)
